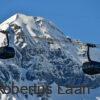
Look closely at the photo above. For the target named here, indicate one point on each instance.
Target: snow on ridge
(11, 19)
(20, 19)
(24, 18)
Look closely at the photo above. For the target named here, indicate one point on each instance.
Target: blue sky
(79, 19)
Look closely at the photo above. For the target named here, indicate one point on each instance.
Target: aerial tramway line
(90, 67)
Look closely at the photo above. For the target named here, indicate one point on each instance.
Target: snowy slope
(43, 53)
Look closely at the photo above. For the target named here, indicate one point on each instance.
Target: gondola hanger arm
(92, 45)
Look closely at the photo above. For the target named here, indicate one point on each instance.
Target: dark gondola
(6, 52)
(91, 67)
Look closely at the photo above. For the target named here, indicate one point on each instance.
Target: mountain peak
(35, 25)
(21, 18)
(43, 56)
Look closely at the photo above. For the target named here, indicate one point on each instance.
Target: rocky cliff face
(43, 53)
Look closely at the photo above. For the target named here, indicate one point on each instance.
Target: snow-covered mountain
(43, 54)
